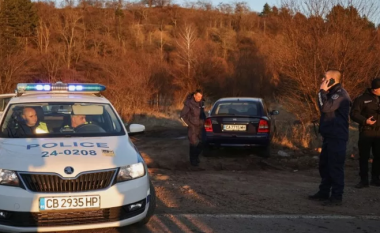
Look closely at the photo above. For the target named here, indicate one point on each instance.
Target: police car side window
(11, 115)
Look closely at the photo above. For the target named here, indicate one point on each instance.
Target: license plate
(235, 127)
(64, 203)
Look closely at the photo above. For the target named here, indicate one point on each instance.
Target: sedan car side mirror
(274, 112)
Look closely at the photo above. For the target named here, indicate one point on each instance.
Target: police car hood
(54, 154)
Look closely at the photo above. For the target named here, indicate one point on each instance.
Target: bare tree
(11, 68)
(186, 39)
(322, 38)
(43, 36)
(70, 26)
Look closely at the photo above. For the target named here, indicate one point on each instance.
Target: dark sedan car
(240, 122)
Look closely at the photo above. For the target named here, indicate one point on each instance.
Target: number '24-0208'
(69, 152)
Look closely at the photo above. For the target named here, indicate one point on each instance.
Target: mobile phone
(372, 119)
(331, 82)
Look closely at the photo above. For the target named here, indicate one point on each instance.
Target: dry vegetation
(151, 55)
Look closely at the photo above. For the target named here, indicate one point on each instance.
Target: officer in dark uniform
(25, 122)
(334, 104)
(75, 121)
(366, 112)
(193, 116)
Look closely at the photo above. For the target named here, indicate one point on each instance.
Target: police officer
(334, 104)
(31, 123)
(193, 115)
(76, 120)
(366, 112)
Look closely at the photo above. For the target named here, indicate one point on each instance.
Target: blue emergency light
(60, 87)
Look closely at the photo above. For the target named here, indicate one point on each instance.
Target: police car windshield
(60, 120)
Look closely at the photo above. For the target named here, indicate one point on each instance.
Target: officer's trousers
(368, 140)
(331, 167)
(195, 135)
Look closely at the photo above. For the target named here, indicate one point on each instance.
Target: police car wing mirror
(135, 129)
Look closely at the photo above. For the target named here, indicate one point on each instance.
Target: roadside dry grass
(293, 135)
(152, 118)
(298, 137)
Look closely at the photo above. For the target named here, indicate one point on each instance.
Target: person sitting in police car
(31, 125)
(76, 120)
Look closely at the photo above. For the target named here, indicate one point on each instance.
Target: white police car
(67, 162)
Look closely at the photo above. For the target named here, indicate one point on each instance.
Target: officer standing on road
(193, 115)
(366, 112)
(334, 104)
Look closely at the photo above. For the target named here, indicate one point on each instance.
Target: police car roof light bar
(59, 87)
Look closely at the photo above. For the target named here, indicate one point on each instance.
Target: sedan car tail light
(208, 125)
(263, 127)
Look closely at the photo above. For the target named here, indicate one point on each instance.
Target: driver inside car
(76, 120)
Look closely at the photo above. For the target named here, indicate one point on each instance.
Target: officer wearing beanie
(366, 112)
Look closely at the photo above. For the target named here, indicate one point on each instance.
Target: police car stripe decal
(320, 99)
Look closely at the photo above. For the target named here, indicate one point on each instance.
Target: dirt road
(239, 183)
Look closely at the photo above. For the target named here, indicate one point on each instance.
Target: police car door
(4, 100)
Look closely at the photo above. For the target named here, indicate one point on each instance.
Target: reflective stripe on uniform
(320, 99)
(41, 128)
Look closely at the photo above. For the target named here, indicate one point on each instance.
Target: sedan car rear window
(237, 108)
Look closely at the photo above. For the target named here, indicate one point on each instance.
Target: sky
(255, 5)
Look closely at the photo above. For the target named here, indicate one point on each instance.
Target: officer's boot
(198, 152)
(363, 183)
(375, 181)
(319, 197)
(193, 157)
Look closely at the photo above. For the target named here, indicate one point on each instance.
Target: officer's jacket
(365, 106)
(70, 127)
(23, 130)
(193, 112)
(334, 106)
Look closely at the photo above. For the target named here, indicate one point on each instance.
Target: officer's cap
(375, 83)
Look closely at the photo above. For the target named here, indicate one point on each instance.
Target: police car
(67, 162)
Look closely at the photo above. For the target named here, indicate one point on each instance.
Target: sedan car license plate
(64, 203)
(235, 127)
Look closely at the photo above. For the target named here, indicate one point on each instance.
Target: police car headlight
(8, 177)
(131, 172)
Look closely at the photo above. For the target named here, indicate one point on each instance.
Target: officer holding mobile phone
(334, 105)
(366, 112)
